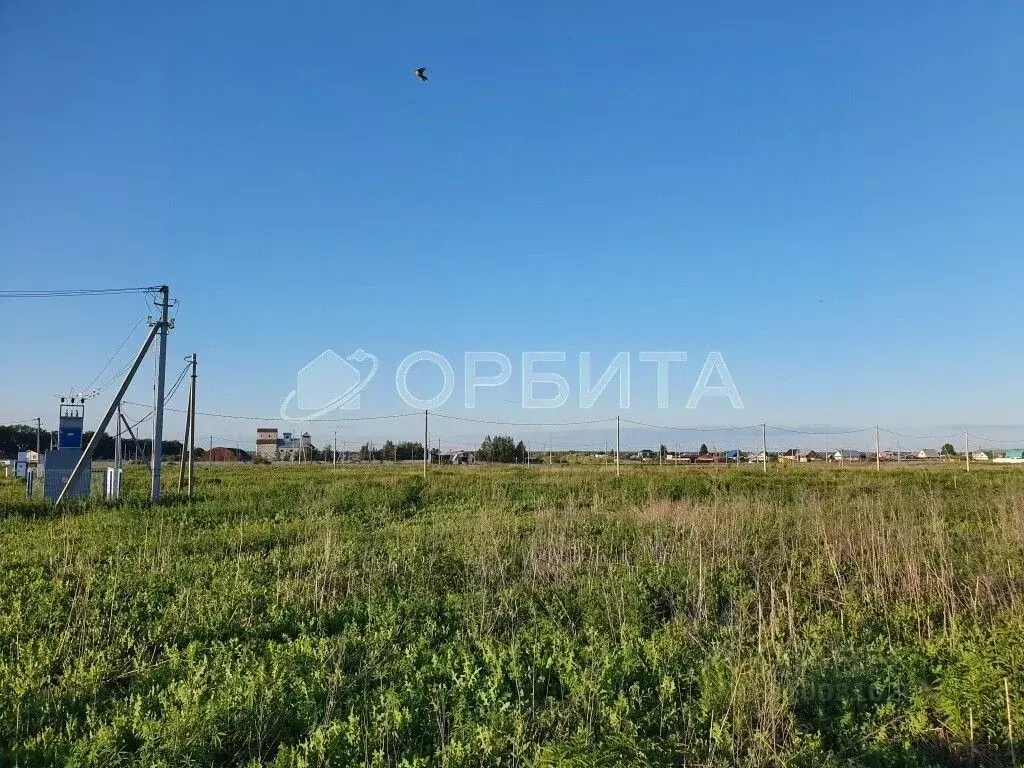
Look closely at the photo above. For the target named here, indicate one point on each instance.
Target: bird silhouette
(421, 73)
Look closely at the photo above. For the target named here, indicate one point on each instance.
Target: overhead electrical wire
(823, 434)
(88, 387)
(524, 423)
(690, 429)
(984, 439)
(278, 418)
(71, 292)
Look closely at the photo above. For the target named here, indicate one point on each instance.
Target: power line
(823, 434)
(278, 418)
(109, 361)
(690, 429)
(920, 437)
(523, 423)
(984, 439)
(69, 292)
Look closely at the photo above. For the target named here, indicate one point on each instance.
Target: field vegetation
(512, 616)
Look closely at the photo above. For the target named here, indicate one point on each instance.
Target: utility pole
(38, 443)
(618, 420)
(426, 427)
(764, 449)
(967, 448)
(188, 423)
(117, 452)
(334, 453)
(878, 459)
(158, 415)
(192, 427)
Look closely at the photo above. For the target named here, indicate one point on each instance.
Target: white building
(847, 455)
(266, 443)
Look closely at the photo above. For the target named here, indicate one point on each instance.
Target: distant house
(846, 454)
(221, 454)
(1012, 456)
(928, 453)
(981, 455)
(681, 457)
(806, 456)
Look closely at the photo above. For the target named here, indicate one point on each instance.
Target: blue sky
(828, 194)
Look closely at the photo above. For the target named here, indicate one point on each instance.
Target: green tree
(703, 449)
(948, 450)
(520, 452)
(501, 449)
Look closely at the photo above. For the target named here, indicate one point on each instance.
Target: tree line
(15, 438)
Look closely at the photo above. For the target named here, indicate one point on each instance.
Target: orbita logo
(327, 383)
(331, 382)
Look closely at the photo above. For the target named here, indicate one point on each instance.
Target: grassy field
(512, 616)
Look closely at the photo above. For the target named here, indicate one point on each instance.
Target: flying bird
(421, 73)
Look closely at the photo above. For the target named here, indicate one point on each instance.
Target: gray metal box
(57, 467)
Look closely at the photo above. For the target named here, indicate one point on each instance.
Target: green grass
(512, 616)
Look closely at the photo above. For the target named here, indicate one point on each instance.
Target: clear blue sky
(830, 194)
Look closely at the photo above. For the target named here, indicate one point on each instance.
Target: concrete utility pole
(426, 427)
(764, 449)
(158, 415)
(117, 448)
(192, 428)
(334, 454)
(38, 443)
(967, 449)
(188, 425)
(617, 443)
(878, 459)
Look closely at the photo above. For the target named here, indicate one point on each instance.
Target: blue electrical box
(72, 417)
